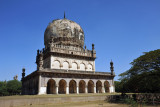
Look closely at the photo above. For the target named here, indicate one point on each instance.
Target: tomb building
(65, 65)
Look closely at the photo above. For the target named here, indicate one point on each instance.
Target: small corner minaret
(85, 48)
(39, 59)
(23, 73)
(93, 51)
(92, 47)
(112, 68)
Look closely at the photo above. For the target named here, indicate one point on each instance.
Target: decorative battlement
(72, 50)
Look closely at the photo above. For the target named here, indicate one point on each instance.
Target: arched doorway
(72, 86)
(51, 87)
(98, 86)
(106, 86)
(90, 86)
(62, 87)
(82, 85)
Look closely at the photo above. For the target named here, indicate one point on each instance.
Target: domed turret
(65, 32)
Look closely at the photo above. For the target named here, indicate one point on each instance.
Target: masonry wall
(69, 63)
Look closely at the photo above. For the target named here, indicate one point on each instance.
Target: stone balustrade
(71, 50)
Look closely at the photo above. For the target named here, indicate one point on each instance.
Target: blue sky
(120, 29)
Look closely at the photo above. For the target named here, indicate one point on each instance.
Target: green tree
(3, 88)
(14, 87)
(144, 74)
(118, 86)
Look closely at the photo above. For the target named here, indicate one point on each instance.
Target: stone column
(39, 85)
(77, 90)
(94, 89)
(56, 89)
(103, 90)
(67, 89)
(111, 89)
(86, 89)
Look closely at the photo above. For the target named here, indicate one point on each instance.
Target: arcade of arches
(81, 86)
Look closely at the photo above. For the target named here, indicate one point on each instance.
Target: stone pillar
(67, 89)
(94, 89)
(103, 90)
(56, 89)
(39, 85)
(111, 89)
(86, 89)
(77, 90)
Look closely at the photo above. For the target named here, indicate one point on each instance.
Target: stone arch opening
(82, 85)
(56, 64)
(90, 67)
(74, 66)
(65, 65)
(90, 86)
(82, 66)
(106, 86)
(98, 86)
(51, 86)
(72, 86)
(62, 87)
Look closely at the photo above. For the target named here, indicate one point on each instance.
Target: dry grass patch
(81, 104)
(54, 96)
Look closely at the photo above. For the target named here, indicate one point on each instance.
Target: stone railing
(67, 47)
(72, 50)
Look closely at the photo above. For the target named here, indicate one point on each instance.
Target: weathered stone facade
(64, 66)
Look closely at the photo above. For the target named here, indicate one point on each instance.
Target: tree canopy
(143, 76)
(3, 88)
(12, 87)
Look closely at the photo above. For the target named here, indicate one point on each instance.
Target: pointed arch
(90, 86)
(82, 85)
(98, 86)
(56, 64)
(65, 65)
(72, 86)
(90, 67)
(106, 86)
(82, 66)
(74, 66)
(51, 86)
(62, 86)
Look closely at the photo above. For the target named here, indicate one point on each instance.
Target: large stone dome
(65, 32)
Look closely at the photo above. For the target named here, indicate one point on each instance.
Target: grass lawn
(55, 95)
(65, 104)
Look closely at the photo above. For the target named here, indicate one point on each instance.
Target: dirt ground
(85, 104)
(66, 104)
(81, 104)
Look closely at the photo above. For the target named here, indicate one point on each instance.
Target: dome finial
(64, 15)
